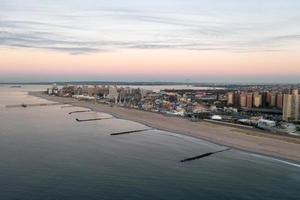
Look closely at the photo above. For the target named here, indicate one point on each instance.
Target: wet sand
(250, 140)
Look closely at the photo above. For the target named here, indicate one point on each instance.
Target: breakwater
(204, 155)
(128, 132)
(79, 111)
(33, 105)
(88, 120)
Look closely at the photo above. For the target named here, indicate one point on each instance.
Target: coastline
(249, 140)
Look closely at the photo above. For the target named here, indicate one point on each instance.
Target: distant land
(154, 83)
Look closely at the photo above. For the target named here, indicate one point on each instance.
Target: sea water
(46, 154)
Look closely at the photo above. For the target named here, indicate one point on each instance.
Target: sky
(157, 40)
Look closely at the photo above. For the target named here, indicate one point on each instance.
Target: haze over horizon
(139, 40)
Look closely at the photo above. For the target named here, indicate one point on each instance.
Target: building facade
(291, 106)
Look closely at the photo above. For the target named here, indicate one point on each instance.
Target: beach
(254, 141)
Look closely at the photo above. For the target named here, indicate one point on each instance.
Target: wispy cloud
(85, 28)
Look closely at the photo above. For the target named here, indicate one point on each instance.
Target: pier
(204, 155)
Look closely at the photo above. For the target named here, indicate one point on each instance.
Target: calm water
(46, 154)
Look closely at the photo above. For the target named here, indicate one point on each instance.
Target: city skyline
(205, 41)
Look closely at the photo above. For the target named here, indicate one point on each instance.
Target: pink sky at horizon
(131, 63)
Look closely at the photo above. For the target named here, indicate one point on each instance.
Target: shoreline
(252, 141)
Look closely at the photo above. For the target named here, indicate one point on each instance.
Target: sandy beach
(255, 141)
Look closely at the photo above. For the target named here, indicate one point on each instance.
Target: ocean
(46, 154)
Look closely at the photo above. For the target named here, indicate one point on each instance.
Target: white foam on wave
(276, 159)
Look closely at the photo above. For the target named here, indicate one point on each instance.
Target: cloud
(85, 29)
